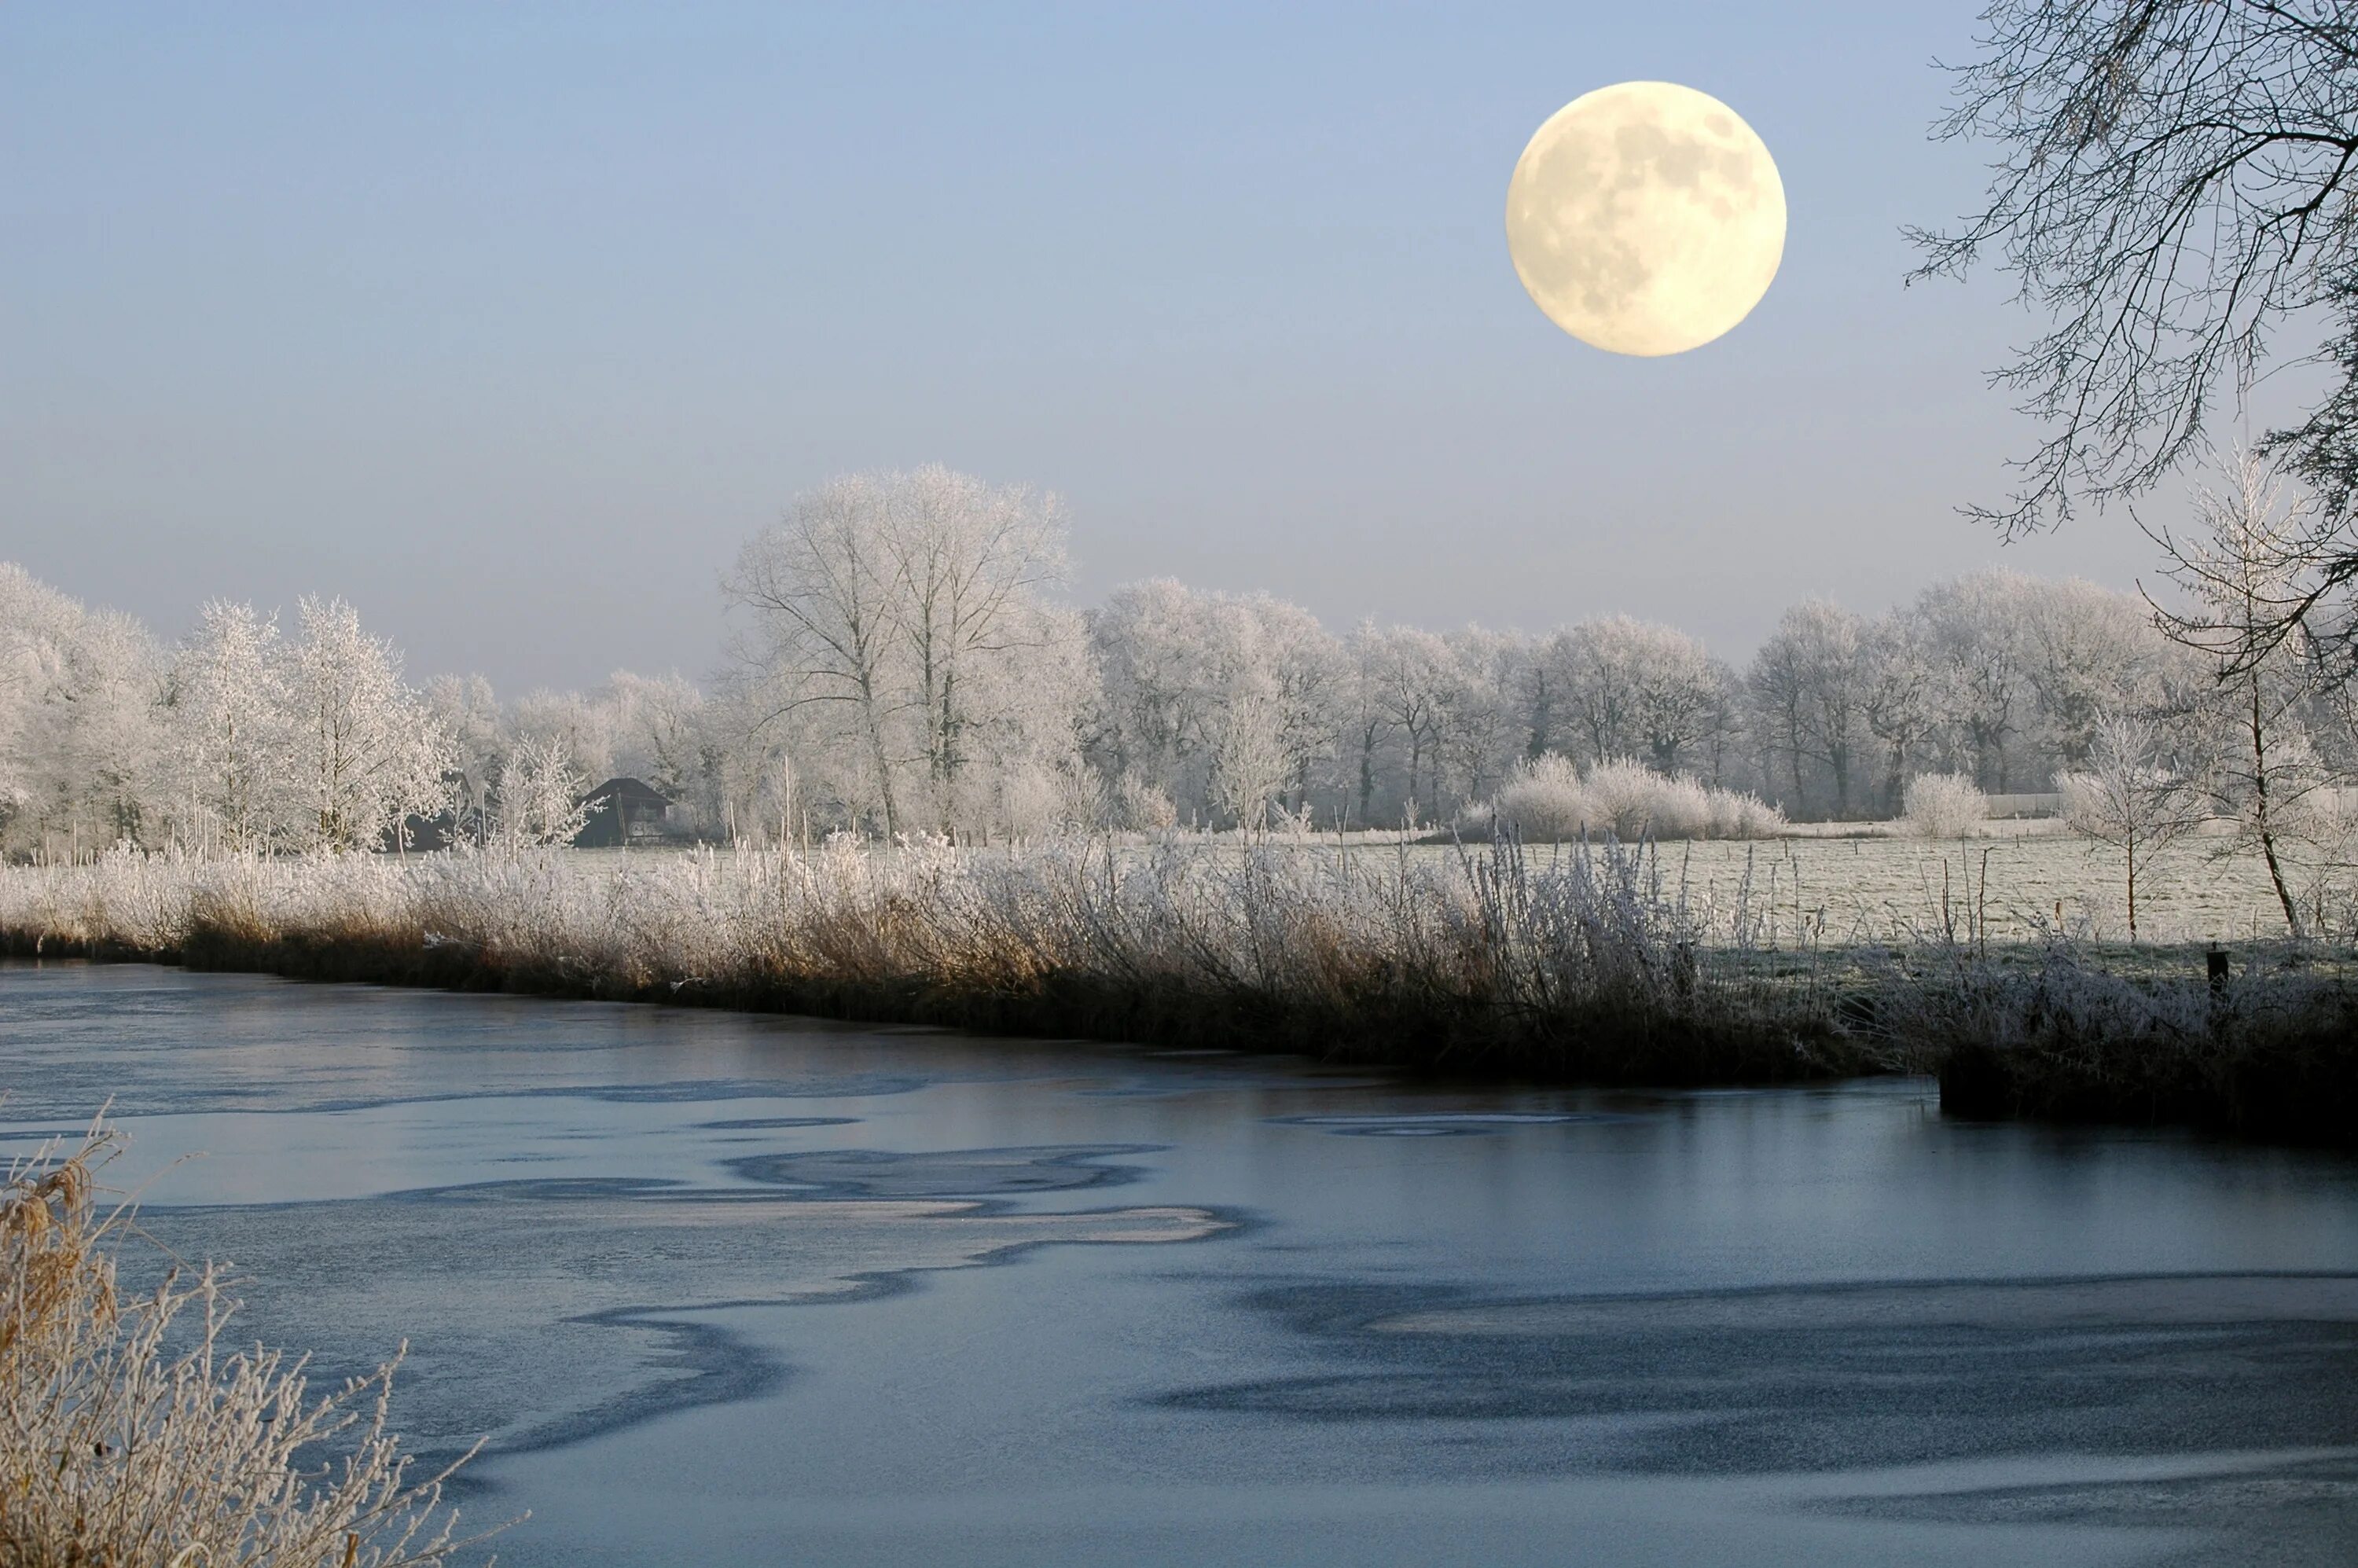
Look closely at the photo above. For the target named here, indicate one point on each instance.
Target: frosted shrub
(1477, 820)
(133, 1429)
(1547, 799)
(1034, 800)
(1942, 805)
(1740, 814)
(1141, 806)
(1634, 801)
(1544, 799)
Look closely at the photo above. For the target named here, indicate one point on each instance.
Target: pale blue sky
(510, 322)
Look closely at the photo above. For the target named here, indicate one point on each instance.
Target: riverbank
(1592, 966)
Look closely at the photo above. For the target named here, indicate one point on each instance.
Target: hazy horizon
(510, 326)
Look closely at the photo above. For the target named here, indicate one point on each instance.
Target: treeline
(900, 663)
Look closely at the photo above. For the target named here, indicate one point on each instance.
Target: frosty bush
(1546, 798)
(1942, 805)
(1740, 814)
(1142, 806)
(130, 1434)
(1633, 801)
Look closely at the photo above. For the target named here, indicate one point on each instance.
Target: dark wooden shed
(625, 811)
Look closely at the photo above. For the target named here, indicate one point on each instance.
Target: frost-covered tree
(79, 746)
(1367, 727)
(1221, 704)
(1410, 674)
(1896, 699)
(538, 796)
(2131, 795)
(1482, 730)
(367, 753)
(578, 722)
(662, 730)
(231, 750)
(893, 620)
(468, 713)
(1972, 635)
(2088, 651)
(93, 760)
(1150, 720)
(967, 565)
(2235, 571)
(1305, 670)
(2174, 182)
(1810, 680)
(824, 643)
(1630, 688)
(1249, 767)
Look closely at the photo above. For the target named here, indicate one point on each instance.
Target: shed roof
(625, 791)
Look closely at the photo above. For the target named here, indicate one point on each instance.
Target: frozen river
(730, 1290)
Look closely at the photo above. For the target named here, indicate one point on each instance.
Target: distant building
(624, 811)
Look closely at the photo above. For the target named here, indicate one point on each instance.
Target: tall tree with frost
(539, 796)
(893, 613)
(1896, 699)
(659, 731)
(1633, 688)
(2088, 651)
(231, 757)
(468, 713)
(1481, 730)
(1306, 671)
(1411, 671)
(581, 724)
(1151, 647)
(968, 563)
(825, 641)
(1973, 629)
(78, 688)
(1811, 678)
(2236, 571)
(1368, 723)
(367, 753)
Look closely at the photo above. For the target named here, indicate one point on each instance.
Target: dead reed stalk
(132, 1436)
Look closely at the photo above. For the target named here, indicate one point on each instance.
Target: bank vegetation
(1592, 962)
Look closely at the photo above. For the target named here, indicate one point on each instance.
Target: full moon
(1646, 218)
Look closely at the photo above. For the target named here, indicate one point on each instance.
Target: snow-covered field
(1874, 887)
(1843, 882)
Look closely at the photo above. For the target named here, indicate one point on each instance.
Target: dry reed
(134, 1435)
(1586, 961)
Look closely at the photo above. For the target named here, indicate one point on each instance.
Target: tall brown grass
(1592, 962)
(1586, 961)
(132, 1434)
